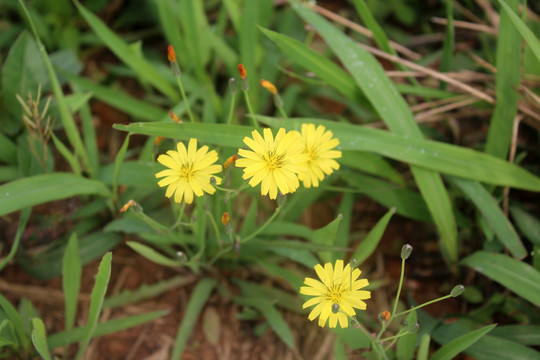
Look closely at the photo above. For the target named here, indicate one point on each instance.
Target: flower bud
(385, 315)
(457, 290)
(231, 160)
(233, 86)
(406, 251)
(268, 86)
(335, 308)
(225, 218)
(242, 71)
(171, 54)
(127, 205)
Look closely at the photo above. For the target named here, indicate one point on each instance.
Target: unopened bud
(242, 71)
(182, 256)
(385, 315)
(127, 205)
(231, 160)
(225, 218)
(457, 290)
(268, 86)
(335, 308)
(171, 54)
(233, 86)
(213, 180)
(406, 251)
(174, 117)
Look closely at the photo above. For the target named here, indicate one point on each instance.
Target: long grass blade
(39, 338)
(372, 239)
(459, 344)
(515, 275)
(23, 220)
(96, 301)
(71, 280)
(198, 298)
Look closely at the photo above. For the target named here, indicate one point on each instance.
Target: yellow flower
(189, 171)
(337, 294)
(319, 145)
(273, 162)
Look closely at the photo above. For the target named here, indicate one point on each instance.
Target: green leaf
(461, 343)
(406, 345)
(130, 57)
(522, 334)
(371, 164)
(23, 220)
(39, 338)
(8, 150)
(493, 214)
(527, 34)
(40, 189)
(517, 276)
(127, 297)
(67, 154)
(153, 255)
(196, 302)
(276, 296)
(423, 348)
(377, 87)
(108, 327)
(96, 301)
(71, 279)
(118, 162)
(345, 209)
(327, 236)
(527, 224)
(372, 239)
(508, 81)
(272, 315)
(18, 323)
(135, 107)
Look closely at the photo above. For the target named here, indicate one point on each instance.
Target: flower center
(312, 152)
(274, 161)
(186, 171)
(335, 293)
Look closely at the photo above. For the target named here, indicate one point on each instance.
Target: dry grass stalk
(466, 25)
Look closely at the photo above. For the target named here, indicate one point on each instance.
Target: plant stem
(262, 227)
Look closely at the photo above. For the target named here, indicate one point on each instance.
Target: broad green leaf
(147, 291)
(134, 107)
(153, 255)
(461, 343)
(371, 164)
(272, 315)
(434, 155)
(108, 327)
(196, 302)
(132, 173)
(515, 275)
(327, 236)
(40, 189)
(522, 334)
(96, 301)
(381, 93)
(71, 279)
(493, 214)
(39, 338)
(146, 71)
(372, 239)
(527, 224)
(508, 81)
(527, 34)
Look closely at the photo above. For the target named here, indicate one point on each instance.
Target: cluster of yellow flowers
(278, 164)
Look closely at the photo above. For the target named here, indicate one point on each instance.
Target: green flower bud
(406, 251)
(457, 290)
(335, 308)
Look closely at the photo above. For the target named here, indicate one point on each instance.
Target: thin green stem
(188, 108)
(231, 109)
(250, 109)
(399, 287)
(214, 226)
(282, 111)
(424, 304)
(262, 227)
(180, 216)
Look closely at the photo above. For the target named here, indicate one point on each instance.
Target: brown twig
(466, 25)
(364, 31)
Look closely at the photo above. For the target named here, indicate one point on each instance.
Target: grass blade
(461, 343)
(198, 298)
(372, 239)
(71, 279)
(527, 224)
(423, 348)
(124, 52)
(39, 338)
(8, 150)
(153, 255)
(486, 204)
(69, 337)
(517, 276)
(377, 87)
(96, 301)
(508, 80)
(25, 215)
(15, 318)
(527, 34)
(40, 189)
